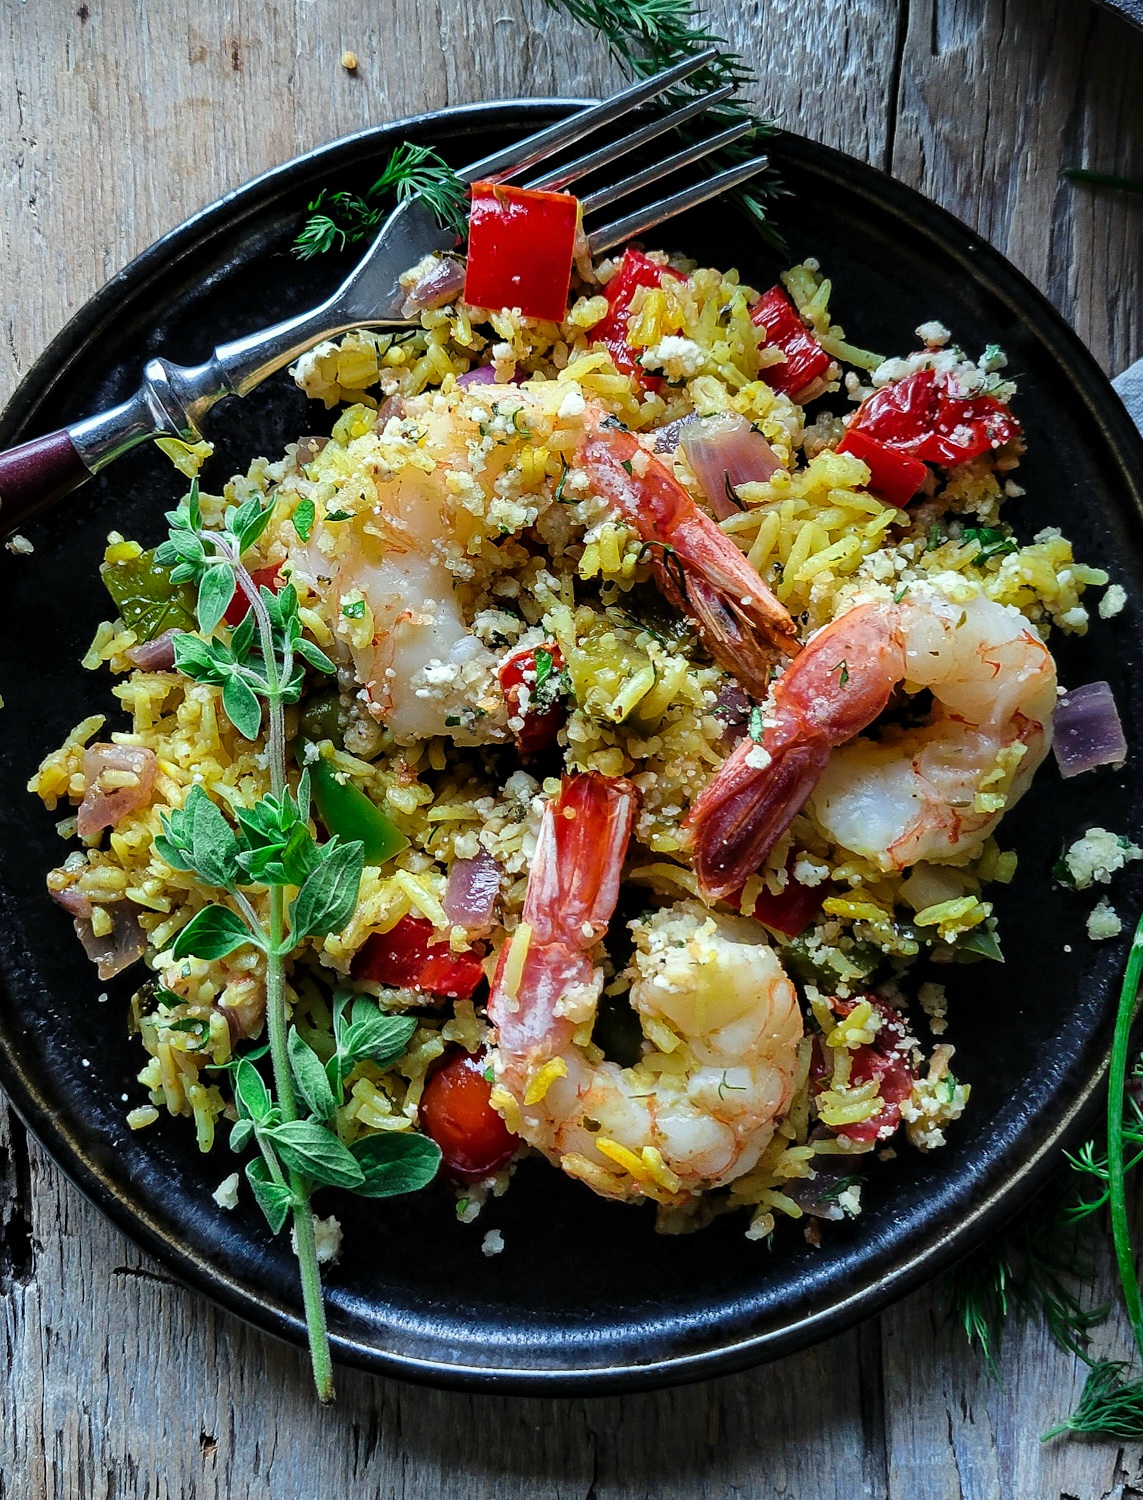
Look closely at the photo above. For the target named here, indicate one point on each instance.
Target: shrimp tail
(696, 564)
(745, 810)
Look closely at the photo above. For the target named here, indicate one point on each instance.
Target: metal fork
(173, 400)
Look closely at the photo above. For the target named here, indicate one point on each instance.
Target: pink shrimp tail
(697, 565)
(572, 890)
(838, 684)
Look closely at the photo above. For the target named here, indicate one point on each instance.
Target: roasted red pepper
(635, 270)
(806, 361)
(456, 1112)
(406, 958)
(923, 416)
(886, 1059)
(521, 244)
(893, 477)
(263, 578)
(792, 910)
(535, 669)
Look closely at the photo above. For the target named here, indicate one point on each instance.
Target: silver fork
(173, 400)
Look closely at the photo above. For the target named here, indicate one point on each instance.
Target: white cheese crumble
(678, 358)
(933, 333)
(934, 1003)
(492, 1243)
(757, 758)
(1097, 856)
(573, 404)
(327, 1237)
(226, 1193)
(20, 545)
(1103, 923)
(1114, 598)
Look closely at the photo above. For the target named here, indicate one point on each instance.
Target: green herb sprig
(1104, 179)
(344, 218)
(646, 36)
(277, 887)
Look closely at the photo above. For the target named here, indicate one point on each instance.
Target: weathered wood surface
(116, 121)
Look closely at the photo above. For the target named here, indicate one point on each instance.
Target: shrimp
(389, 557)
(720, 1018)
(932, 792)
(697, 566)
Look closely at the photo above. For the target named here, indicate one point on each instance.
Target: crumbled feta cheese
(808, 872)
(934, 333)
(678, 358)
(757, 758)
(1103, 923)
(226, 1193)
(1097, 856)
(492, 1243)
(20, 545)
(327, 1238)
(1074, 619)
(1114, 598)
(849, 1200)
(573, 404)
(934, 1003)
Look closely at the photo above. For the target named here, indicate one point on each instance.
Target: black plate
(584, 1295)
(1130, 10)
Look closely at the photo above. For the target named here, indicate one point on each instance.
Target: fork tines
(555, 139)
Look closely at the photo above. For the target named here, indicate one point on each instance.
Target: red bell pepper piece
(792, 910)
(263, 578)
(521, 244)
(407, 959)
(923, 416)
(456, 1112)
(806, 360)
(893, 477)
(527, 670)
(886, 1058)
(635, 270)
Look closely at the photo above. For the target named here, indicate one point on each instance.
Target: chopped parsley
(354, 610)
(993, 541)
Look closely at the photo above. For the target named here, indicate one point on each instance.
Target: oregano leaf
(393, 1163)
(315, 1152)
(251, 1094)
(215, 591)
(273, 1198)
(326, 901)
(303, 518)
(212, 932)
(377, 1038)
(242, 707)
(310, 1077)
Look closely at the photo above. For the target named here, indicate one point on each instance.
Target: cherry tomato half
(407, 958)
(529, 669)
(457, 1113)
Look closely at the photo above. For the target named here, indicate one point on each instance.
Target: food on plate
(653, 667)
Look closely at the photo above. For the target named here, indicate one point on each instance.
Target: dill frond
(342, 218)
(1108, 1404)
(1036, 1269)
(646, 36)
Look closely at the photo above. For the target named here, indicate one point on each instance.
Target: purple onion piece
(1087, 731)
(667, 438)
(724, 452)
(441, 282)
(732, 707)
(486, 375)
(121, 947)
(154, 656)
(471, 891)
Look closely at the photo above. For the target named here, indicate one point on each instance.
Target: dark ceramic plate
(584, 1295)
(1130, 10)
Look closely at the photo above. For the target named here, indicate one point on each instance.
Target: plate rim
(130, 1212)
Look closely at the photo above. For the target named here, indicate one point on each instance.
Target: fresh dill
(1104, 179)
(646, 36)
(337, 219)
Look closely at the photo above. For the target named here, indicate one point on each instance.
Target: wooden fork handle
(37, 472)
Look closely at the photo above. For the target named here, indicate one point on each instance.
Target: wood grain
(118, 120)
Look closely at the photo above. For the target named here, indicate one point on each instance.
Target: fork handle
(37, 472)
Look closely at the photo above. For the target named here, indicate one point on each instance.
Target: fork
(173, 400)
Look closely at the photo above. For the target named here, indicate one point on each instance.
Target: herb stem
(276, 748)
(1117, 1175)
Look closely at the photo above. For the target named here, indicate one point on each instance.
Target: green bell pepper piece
(147, 601)
(348, 812)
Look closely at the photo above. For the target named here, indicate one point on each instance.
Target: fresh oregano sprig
(280, 888)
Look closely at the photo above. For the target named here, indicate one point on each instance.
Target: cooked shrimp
(385, 570)
(388, 566)
(933, 792)
(720, 1018)
(697, 566)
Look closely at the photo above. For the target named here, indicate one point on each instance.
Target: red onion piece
(72, 900)
(440, 279)
(471, 891)
(486, 375)
(1087, 731)
(120, 948)
(104, 806)
(309, 448)
(667, 438)
(725, 451)
(154, 656)
(732, 707)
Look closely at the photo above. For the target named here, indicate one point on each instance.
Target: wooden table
(116, 121)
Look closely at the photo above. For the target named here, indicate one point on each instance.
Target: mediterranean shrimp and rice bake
(684, 667)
